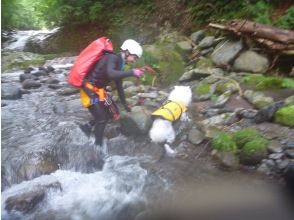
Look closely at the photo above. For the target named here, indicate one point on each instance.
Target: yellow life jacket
(171, 111)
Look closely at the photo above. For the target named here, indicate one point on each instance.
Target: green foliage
(224, 142)
(244, 136)
(285, 116)
(256, 146)
(287, 20)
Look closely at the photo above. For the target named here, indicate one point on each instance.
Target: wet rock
(258, 99)
(275, 147)
(131, 90)
(206, 42)
(151, 95)
(195, 74)
(10, 92)
(267, 113)
(283, 164)
(290, 145)
(40, 73)
(25, 202)
(212, 112)
(184, 48)
(23, 77)
(246, 113)
(52, 81)
(226, 160)
(290, 153)
(28, 70)
(197, 36)
(222, 100)
(252, 62)
(30, 84)
(127, 84)
(206, 51)
(225, 52)
(54, 86)
(50, 69)
(276, 156)
(195, 136)
(138, 122)
(217, 120)
(263, 169)
(68, 91)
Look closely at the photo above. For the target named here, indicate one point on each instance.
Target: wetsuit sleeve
(111, 71)
(120, 90)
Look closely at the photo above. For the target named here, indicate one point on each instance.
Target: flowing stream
(45, 156)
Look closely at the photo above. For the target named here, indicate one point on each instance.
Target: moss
(222, 87)
(256, 146)
(244, 136)
(204, 63)
(224, 142)
(262, 82)
(285, 116)
(202, 88)
(167, 62)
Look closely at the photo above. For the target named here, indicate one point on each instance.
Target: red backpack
(86, 59)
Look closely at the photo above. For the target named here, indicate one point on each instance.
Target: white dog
(175, 108)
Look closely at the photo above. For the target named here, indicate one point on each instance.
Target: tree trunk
(261, 31)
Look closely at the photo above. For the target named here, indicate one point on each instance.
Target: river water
(44, 151)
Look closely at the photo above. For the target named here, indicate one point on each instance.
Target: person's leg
(101, 115)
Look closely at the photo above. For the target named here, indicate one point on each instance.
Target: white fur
(162, 130)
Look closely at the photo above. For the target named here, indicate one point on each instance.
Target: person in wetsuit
(110, 68)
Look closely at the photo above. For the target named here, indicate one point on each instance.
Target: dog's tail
(169, 151)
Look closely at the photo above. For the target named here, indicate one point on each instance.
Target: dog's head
(181, 94)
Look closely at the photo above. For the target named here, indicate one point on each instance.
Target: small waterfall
(18, 39)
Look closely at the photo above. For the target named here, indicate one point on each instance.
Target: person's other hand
(139, 72)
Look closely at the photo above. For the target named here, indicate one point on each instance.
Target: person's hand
(127, 107)
(139, 72)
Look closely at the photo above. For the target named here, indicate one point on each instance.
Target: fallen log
(273, 38)
(262, 31)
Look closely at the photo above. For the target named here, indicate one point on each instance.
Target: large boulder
(169, 62)
(252, 62)
(225, 52)
(136, 123)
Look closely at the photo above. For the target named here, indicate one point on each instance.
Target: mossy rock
(204, 63)
(168, 63)
(202, 89)
(223, 86)
(254, 151)
(262, 82)
(244, 136)
(285, 116)
(224, 142)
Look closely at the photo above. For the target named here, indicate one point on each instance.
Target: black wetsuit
(107, 69)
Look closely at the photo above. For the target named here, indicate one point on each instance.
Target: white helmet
(133, 47)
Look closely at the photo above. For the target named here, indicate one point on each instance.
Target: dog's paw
(169, 151)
